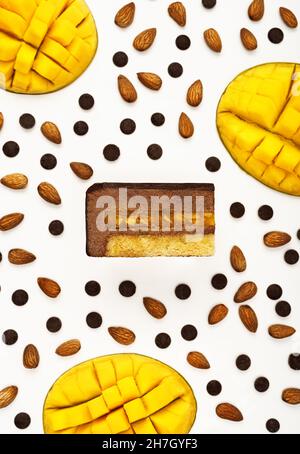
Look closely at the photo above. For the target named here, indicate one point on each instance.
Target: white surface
(64, 259)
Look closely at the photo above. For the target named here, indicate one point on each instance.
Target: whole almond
(288, 17)
(155, 308)
(31, 357)
(122, 335)
(229, 411)
(281, 331)
(20, 257)
(48, 192)
(68, 348)
(10, 221)
(125, 15)
(49, 287)
(1, 120)
(150, 80)
(126, 89)
(51, 132)
(246, 291)
(15, 181)
(145, 39)
(213, 40)
(276, 239)
(217, 314)
(177, 12)
(291, 396)
(248, 39)
(185, 126)
(256, 10)
(248, 318)
(82, 170)
(237, 259)
(195, 94)
(8, 395)
(198, 360)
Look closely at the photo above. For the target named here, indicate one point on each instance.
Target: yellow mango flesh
(118, 394)
(258, 120)
(44, 44)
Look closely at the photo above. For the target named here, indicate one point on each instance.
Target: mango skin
(44, 44)
(120, 394)
(258, 120)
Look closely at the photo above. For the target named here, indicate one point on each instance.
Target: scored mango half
(44, 44)
(258, 119)
(120, 394)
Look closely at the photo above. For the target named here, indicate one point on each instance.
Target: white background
(64, 259)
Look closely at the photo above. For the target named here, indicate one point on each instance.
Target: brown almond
(150, 80)
(256, 10)
(217, 314)
(198, 360)
(248, 39)
(155, 308)
(126, 89)
(31, 357)
(20, 257)
(15, 181)
(229, 411)
(276, 239)
(49, 287)
(82, 170)
(177, 12)
(248, 318)
(51, 132)
(237, 259)
(288, 17)
(185, 126)
(122, 335)
(291, 396)
(10, 221)
(246, 291)
(195, 94)
(145, 39)
(1, 120)
(48, 192)
(125, 15)
(213, 40)
(68, 348)
(8, 395)
(281, 331)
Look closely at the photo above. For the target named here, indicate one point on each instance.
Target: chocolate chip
(265, 212)
(275, 35)
(261, 384)
(274, 292)
(0, 256)
(243, 362)
(53, 324)
(294, 361)
(120, 59)
(19, 297)
(48, 161)
(272, 425)
(283, 308)
(189, 332)
(219, 281)
(163, 340)
(158, 119)
(92, 288)
(81, 128)
(298, 234)
(175, 70)
(94, 320)
(27, 121)
(10, 337)
(237, 210)
(111, 152)
(11, 149)
(183, 42)
(127, 289)
(214, 387)
(154, 151)
(22, 420)
(86, 101)
(291, 257)
(56, 227)
(213, 164)
(209, 3)
(183, 291)
(128, 126)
